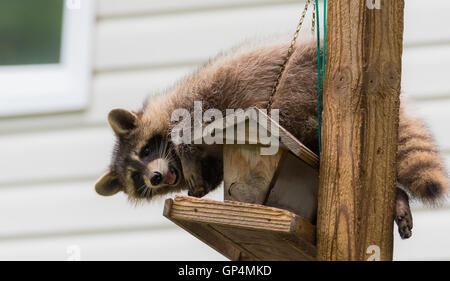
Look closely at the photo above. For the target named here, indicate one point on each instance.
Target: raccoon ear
(122, 121)
(108, 184)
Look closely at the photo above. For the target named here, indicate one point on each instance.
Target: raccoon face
(144, 163)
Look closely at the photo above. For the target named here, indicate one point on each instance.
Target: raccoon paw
(198, 192)
(403, 218)
(197, 186)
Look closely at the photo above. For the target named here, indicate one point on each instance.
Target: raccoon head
(144, 162)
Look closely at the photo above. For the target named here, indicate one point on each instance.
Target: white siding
(49, 163)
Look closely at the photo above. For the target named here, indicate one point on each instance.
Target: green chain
(320, 65)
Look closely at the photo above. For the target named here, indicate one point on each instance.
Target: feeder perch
(270, 206)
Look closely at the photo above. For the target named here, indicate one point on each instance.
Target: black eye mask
(152, 149)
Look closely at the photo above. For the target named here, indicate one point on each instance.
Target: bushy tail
(420, 168)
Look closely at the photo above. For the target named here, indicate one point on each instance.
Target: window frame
(50, 88)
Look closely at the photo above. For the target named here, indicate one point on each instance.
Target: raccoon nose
(156, 178)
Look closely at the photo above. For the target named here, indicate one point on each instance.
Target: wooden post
(360, 123)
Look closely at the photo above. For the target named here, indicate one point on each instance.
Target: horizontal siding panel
(130, 89)
(44, 122)
(68, 208)
(435, 114)
(51, 155)
(194, 37)
(429, 240)
(120, 8)
(174, 244)
(423, 23)
(425, 71)
(426, 24)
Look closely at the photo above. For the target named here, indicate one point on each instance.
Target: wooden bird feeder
(270, 201)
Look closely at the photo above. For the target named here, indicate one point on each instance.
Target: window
(44, 55)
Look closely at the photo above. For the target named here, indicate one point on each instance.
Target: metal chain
(288, 55)
(313, 26)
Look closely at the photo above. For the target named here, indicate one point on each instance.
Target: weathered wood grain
(247, 174)
(294, 188)
(291, 143)
(360, 123)
(206, 234)
(244, 231)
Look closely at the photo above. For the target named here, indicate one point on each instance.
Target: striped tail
(420, 168)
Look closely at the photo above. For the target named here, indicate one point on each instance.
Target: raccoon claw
(198, 192)
(404, 223)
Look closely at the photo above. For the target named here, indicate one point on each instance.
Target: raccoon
(146, 163)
